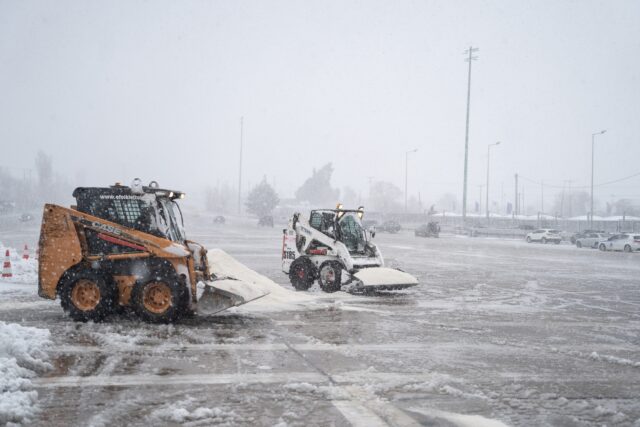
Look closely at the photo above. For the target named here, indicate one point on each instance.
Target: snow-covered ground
(497, 333)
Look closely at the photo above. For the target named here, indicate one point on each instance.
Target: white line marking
(124, 348)
(185, 379)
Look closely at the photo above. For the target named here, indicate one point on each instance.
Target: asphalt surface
(498, 332)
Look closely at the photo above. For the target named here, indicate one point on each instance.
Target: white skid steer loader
(333, 242)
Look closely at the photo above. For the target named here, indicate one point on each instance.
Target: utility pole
(593, 136)
(570, 199)
(470, 59)
(486, 206)
(564, 183)
(406, 175)
(517, 198)
(240, 169)
(541, 197)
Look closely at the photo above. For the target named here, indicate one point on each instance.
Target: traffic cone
(6, 267)
(25, 252)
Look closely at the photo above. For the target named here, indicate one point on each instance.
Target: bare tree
(219, 199)
(384, 197)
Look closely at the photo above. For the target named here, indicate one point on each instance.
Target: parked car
(431, 229)
(544, 235)
(219, 220)
(621, 242)
(574, 237)
(590, 240)
(390, 227)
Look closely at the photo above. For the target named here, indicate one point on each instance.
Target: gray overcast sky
(155, 89)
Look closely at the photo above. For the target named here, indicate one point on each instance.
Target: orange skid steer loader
(125, 246)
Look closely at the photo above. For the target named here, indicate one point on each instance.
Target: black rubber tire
(602, 247)
(578, 245)
(336, 284)
(528, 239)
(175, 306)
(108, 295)
(544, 240)
(627, 248)
(302, 273)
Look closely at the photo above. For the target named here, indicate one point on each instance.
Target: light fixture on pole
(487, 195)
(593, 140)
(406, 175)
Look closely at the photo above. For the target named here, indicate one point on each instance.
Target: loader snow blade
(235, 284)
(218, 295)
(383, 279)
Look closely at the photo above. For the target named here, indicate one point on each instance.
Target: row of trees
(315, 190)
(386, 197)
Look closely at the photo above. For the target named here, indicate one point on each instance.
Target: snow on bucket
(6, 267)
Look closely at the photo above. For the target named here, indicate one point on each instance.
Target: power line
(533, 181)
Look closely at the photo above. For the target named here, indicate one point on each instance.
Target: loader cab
(149, 210)
(343, 225)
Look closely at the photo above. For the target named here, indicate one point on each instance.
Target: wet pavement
(498, 332)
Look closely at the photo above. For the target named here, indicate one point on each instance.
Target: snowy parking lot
(499, 332)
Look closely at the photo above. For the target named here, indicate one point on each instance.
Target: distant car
(25, 217)
(266, 221)
(574, 238)
(621, 242)
(590, 240)
(544, 235)
(431, 229)
(390, 227)
(219, 220)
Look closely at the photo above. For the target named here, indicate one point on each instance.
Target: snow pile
(223, 265)
(23, 270)
(177, 412)
(21, 356)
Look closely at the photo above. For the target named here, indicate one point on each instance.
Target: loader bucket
(234, 284)
(383, 279)
(218, 295)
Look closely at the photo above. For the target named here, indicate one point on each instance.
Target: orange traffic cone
(6, 267)
(25, 252)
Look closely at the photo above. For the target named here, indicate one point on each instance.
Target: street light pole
(240, 168)
(593, 140)
(486, 205)
(470, 52)
(406, 175)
